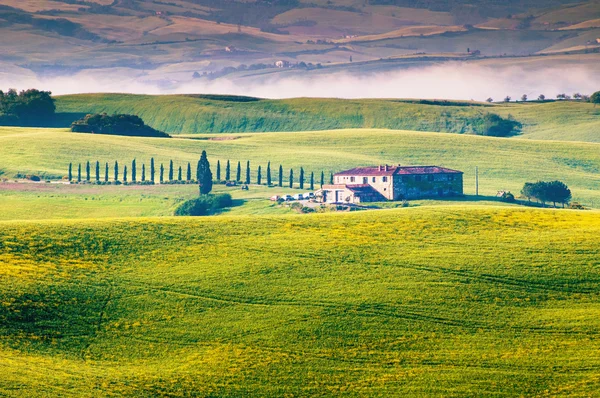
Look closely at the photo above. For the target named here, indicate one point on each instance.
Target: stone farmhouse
(383, 183)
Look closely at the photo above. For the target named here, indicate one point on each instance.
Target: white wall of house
(382, 184)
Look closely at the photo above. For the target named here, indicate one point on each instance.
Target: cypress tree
(125, 173)
(162, 173)
(179, 177)
(259, 176)
(171, 170)
(301, 179)
(116, 171)
(97, 171)
(269, 174)
(205, 182)
(322, 178)
(133, 171)
(87, 171)
(152, 171)
(280, 175)
(79, 173)
(312, 180)
(219, 170)
(70, 172)
(331, 178)
(143, 172)
(248, 172)
(227, 171)
(238, 176)
(106, 172)
(188, 174)
(291, 178)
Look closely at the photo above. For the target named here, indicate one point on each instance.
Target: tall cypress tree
(331, 178)
(259, 176)
(116, 170)
(205, 182)
(125, 173)
(162, 173)
(291, 178)
(106, 172)
(248, 172)
(280, 175)
(152, 170)
(143, 172)
(188, 174)
(238, 176)
(322, 178)
(133, 171)
(179, 176)
(219, 170)
(301, 179)
(87, 171)
(312, 180)
(269, 174)
(70, 172)
(79, 173)
(171, 170)
(97, 171)
(228, 171)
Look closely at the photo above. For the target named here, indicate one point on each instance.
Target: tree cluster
(543, 192)
(26, 108)
(127, 125)
(496, 126)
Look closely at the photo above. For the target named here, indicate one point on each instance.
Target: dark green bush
(204, 205)
(128, 125)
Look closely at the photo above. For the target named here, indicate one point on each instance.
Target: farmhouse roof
(396, 170)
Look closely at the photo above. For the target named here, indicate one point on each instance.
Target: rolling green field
(503, 163)
(413, 302)
(177, 114)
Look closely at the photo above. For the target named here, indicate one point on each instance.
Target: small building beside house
(390, 183)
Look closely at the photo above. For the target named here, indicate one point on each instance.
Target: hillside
(189, 114)
(418, 302)
(163, 44)
(503, 163)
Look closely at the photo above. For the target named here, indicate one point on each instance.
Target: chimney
(379, 168)
(386, 167)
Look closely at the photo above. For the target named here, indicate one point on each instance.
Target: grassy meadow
(181, 114)
(503, 163)
(477, 301)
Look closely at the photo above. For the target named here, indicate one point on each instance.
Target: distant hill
(192, 114)
(210, 39)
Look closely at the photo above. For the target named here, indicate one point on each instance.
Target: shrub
(508, 197)
(204, 205)
(576, 206)
(128, 125)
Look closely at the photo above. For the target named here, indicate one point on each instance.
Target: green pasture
(180, 114)
(439, 301)
(504, 164)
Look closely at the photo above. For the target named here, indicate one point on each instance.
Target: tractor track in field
(365, 310)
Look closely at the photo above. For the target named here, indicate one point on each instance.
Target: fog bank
(444, 81)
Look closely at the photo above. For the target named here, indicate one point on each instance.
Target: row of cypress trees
(303, 180)
(130, 174)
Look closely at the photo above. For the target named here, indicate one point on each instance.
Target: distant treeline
(128, 125)
(26, 108)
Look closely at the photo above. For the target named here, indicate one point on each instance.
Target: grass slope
(437, 302)
(503, 163)
(194, 114)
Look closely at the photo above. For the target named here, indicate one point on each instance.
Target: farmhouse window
(365, 180)
(417, 178)
(374, 179)
(352, 179)
(384, 179)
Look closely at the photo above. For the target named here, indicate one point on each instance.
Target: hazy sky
(450, 80)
